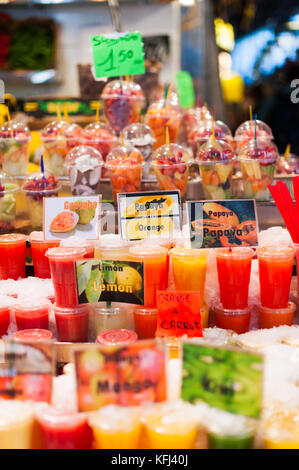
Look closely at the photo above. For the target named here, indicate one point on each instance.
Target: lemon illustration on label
(130, 278)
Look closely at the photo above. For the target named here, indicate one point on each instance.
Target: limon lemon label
(151, 214)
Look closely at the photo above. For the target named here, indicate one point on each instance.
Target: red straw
(286, 207)
(296, 194)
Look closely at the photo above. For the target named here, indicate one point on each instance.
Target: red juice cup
(296, 246)
(63, 274)
(12, 256)
(31, 315)
(236, 320)
(39, 247)
(155, 259)
(72, 323)
(5, 309)
(62, 430)
(270, 317)
(234, 267)
(275, 272)
(145, 320)
(33, 335)
(119, 337)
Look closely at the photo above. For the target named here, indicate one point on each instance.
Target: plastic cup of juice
(77, 242)
(204, 312)
(6, 304)
(275, 273)
(216, 164)
(234, 267)
(219, 441)
(34, 335)
(236, 320)
(189, 269)
(112, 247)
(33, 314)
(281, 430)
(145, 320)
(62, 267)
(171, 426)
(12, 256)
(8, 194)
(72, 323)
(124, 166)
(109, 318)
(14, 148)
(162, 114)
(61, 430)
(16, 425)
(117, 337)
(39, 247)
(116, 427)
(155, 260)
(270, 317)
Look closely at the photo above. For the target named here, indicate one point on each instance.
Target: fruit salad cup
(204, 130)
(59, 137)
(36, 188)
(84, 165)
(100, 136)
(123, 102)
(246, 132)
(216, 164)
(142, 138)
(171, 166)
(125, 166)
(258, 161)
(14, 148)
(162, 114)
(8, 190)
(193, 117)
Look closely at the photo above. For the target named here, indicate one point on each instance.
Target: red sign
(179, 314)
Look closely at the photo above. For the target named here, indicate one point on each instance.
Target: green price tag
(118, 54)
(185, 89)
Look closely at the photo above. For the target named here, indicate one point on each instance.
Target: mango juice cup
(116, 427)
(189, 269)
(16, 425)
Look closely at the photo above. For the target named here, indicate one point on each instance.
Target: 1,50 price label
(119, 55)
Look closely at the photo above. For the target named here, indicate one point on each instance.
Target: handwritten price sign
(118, 54)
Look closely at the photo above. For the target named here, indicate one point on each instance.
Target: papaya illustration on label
(64, 222)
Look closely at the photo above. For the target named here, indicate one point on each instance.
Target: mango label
(227, 223)
(150, 214)
(110, 281)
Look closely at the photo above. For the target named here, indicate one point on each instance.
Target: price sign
(118, 54)
(185, 89)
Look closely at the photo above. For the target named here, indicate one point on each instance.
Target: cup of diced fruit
(216, 163)
(84, 164)
(204, 130)
(249, 130)
(8, 190)
(14, 148)
(36, 187)
(141, 137)
(164, 114)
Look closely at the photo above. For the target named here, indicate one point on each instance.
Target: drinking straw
(213, 131)
(127, 77)
(250, 112)
(42, 166)
(65, 113)
(98, 112)
(255, 142)
(296, 194)
(168, 92)
(199, 102)
(9, 119)
(58, 111)
(167, 135)
(286, 208)
(123, 143)
(287, 153)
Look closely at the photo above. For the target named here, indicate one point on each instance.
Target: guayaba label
(179, 314)
(127, 376)
(73, 206)
(226, 379)
(228, 223)
(110, 281)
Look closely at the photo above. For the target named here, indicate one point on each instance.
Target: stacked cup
(275, 273)
(234, 267)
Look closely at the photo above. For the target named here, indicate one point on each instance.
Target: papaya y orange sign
(179, 314)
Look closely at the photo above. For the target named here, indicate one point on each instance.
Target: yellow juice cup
(171, 426)
(116, 427)
(16, 425)
(189, 269)
(282, 430)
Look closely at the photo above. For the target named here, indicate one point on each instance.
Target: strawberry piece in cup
(171, 166)
(14, 148)
(160, 115)
(125, 170)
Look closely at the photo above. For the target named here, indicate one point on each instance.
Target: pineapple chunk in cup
(216, 164)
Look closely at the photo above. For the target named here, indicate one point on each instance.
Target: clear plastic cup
(272, 317)
(14, 148)
(258, 162)
(6, 304)
(161, 114)
(193, 118)
(36, 187)
(62, 267)
(171, 166)
(216, 164)
(124, 166)
(61, 430)
(282, 430)
(236, 320)
(109, 318)
(12, 256)
(112, 247)
(101, 137)
(59, 137)
(84, 164)
(34, 335)
(116, 427)
(117, 337)
(141, 137)
(248, 129)
(123, 102)
(39, 247)
(16, 425)
(145, 320)
(77, 242)
(204, 131)
(72, 323)
(32, 314)
(8, 193)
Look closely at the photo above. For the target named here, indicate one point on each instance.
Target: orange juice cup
(270, 317)
(189, 269)
(145, 320)
(116, 427)
(155, 260)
